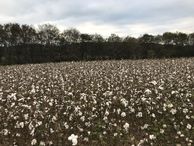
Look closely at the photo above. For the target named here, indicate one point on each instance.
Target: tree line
(27, 44)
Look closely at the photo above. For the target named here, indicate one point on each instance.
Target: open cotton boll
(153, 82)
(126, 126)
(123, 114)
(34, 142)
(148, 91)
(73, 138)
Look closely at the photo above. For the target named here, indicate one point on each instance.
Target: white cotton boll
(161, 88)
(106, 113)
(34, 142)
(158, 97)
(173, 111)
(12, 96)
(50, 143)
(139, 114)
(153, 82)
(179, 132)
(93, 108)
(76, 109)
(104, 132)
(33, 89)
(70, 117)
(88, 124)
(174, 92)
(148, 91)
(126, 126)
(153, 115)
(51, 130)
(54, 119)
(105, 118)
(25, 116)
(73, 138)
(17, 125)
(83, 96)
(86, 139)
(118, 111)
(140, 142)
(107, 103)
(21, 124)
(124, 102)
(32, 132)
(189, 126)
(132, 110)
(170, 105)
(161, 131)
(80, 113)
(82, 118)
(152, 137)
(115, 124)
(145, 126)
(38, 123)
(156, 91)
(164, 125)
(114, 97)
(108, 93)
(42, 143)
(143, 99)
(18, 134)
(30, 126)
(13, 104)
(164, 108)
(66, 125)
(5, 132)
(51, 103)
(185, 110)
(123, 114)
(81, 129)
(188, 77)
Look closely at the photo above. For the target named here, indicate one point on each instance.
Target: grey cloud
(156, 13)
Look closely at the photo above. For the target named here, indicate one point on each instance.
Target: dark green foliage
(24, 44)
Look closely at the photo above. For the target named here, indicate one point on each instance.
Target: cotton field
(100, 103)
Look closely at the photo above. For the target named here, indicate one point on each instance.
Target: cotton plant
(141, 102)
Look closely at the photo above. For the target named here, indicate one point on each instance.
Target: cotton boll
(123, 114)
(173, 111)
(42, 143)
(153, 82)
(34, 142)
(189, 126)
(152, 137)
(73, 138)
(126, 126)
(139, 114)
(148, 91)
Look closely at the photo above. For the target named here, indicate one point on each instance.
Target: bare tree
(114, 38)
(97, 38)
(28, 34)
(71, 35)
(48, 34)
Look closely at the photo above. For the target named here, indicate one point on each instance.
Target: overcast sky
(123, 17)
